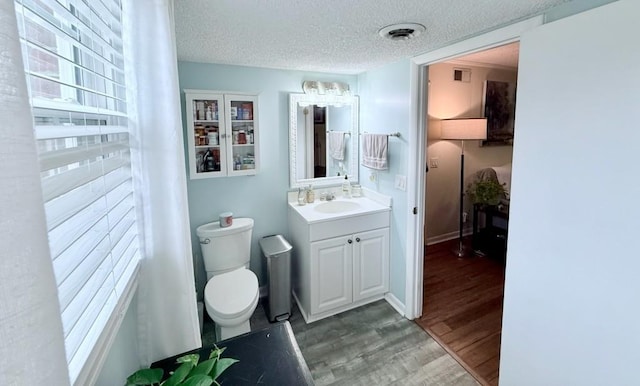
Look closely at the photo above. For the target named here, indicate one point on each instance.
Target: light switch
(401, 182)
(433, 162)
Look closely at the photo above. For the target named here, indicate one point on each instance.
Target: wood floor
(371, 345)
(462, 308)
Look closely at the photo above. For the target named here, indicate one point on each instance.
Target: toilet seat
(231, 294)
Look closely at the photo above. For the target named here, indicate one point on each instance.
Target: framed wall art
(499, 106)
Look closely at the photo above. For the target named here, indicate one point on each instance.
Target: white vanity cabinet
(349, 269)
(222, 133)
(339, 264)
(331, 268)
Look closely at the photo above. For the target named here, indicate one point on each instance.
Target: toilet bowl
(230, 299)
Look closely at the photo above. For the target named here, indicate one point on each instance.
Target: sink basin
(336, 206)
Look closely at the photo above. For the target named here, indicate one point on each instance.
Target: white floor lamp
(463, 130)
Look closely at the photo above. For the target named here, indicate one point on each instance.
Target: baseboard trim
(448, 236)
(395, 303)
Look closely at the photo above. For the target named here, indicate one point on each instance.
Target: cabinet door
(242, 136)
(205, 135)
(371, 263)
(331, 273)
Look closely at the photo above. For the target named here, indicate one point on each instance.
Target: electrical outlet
(433, 162)
(464, 216)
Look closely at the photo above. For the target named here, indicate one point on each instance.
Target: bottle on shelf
(207, 160)
(209, 114)
(242, 137)
(213, 138)
(237, 164)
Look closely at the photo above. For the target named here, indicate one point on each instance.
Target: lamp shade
(470, 128)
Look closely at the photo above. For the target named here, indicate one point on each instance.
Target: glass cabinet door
(205, 133)
(222, 134)
(242, 138)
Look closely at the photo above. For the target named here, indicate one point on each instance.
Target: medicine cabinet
(222, 134)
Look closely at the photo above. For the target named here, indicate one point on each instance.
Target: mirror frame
(294, 101)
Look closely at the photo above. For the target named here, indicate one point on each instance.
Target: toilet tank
(225, 249)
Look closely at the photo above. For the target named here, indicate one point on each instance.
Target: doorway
(462, 299)
(417, 270)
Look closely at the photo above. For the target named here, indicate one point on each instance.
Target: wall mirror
(323, 140)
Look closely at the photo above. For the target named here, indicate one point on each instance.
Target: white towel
(374, 151)
(336, 145)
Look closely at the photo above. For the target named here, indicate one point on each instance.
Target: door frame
(416, 185)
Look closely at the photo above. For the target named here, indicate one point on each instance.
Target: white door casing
(416, 185)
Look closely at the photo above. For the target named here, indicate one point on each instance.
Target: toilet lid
(230, 294)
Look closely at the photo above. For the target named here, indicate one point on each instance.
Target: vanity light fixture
(327, 93)
(314, 87)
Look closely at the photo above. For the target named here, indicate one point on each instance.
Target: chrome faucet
(331, 196)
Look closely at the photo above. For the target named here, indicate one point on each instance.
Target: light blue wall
(122, 360)
(263, 196)
(385, 107)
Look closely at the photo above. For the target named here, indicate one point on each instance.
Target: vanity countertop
(311, 212)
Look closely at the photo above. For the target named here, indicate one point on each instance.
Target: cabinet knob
(357, 239)
(349, 241)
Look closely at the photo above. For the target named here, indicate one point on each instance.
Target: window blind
(74, 65)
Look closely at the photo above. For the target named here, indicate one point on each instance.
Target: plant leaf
(221, 365)
(198, 380)
(193, 358)
(216, 352)
(145, 377)
(204, 367)
(179, 375)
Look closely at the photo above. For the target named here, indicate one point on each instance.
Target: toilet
(231, 294)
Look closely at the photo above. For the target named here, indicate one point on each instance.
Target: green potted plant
(189, 373)
(486, 192)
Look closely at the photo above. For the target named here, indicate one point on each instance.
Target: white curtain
(32, 341)
(168, 315)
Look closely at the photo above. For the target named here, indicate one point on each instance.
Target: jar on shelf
(213, 138)
(242, 137)
(247, 111)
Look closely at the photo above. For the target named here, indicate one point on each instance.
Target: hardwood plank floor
(462, 308)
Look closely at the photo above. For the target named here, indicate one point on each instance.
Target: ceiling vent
(403, 31)
(462, 75)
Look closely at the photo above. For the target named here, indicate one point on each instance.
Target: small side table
(491, 239)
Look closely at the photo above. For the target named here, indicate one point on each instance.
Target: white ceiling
(336, 36)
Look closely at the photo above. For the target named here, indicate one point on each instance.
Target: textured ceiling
(337, 36)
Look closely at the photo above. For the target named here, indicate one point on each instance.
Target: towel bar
(396, 134)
